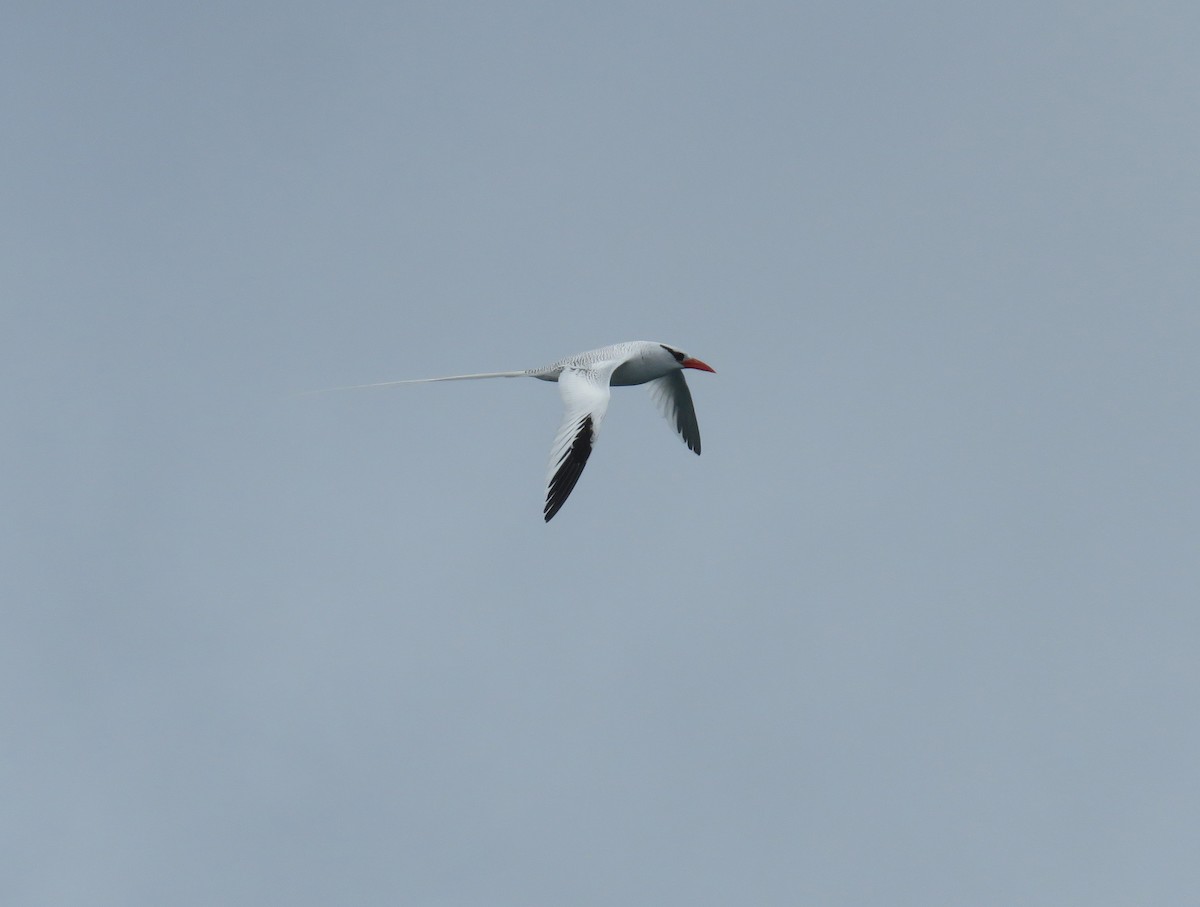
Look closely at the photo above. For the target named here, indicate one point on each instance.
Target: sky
(920, 625)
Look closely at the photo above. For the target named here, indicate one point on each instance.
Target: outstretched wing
(585, 394)
(674, 400)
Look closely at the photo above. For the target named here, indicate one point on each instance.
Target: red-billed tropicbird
(584, 380)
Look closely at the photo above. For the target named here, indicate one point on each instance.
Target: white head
(686, 361)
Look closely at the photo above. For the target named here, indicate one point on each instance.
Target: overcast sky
(920, 627)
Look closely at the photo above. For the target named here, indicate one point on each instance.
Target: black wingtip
(570, 468)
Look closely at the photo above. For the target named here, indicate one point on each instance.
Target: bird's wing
(674, 400)
(585, 394)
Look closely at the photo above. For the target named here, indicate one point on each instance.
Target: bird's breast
(636, 371)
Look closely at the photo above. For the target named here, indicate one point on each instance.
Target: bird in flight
(584, 381)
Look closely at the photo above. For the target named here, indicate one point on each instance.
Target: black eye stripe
(679, 357)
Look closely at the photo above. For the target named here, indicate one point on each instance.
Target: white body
(637, 362)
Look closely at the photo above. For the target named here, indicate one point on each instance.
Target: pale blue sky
(918, 628)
